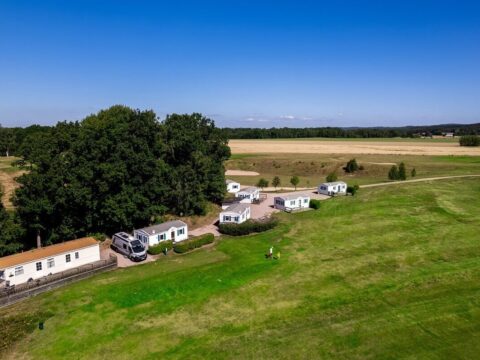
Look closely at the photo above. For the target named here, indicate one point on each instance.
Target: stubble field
(353, 146)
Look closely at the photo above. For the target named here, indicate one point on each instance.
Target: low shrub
(159, 248)
(98, 236)
(315, 204)
(351, 190)
(193, 243)
(248, 227)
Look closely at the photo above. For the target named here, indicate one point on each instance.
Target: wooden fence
(13, 294)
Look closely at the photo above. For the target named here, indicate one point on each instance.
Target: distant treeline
(13, 139)
(331, 132)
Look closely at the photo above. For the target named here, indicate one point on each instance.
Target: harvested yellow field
(373, 147)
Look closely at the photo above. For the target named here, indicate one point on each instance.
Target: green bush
(98, 236)
(315, 204)
(248, 227)
(193, 243)
(332, 177)
(159, 248)
(470, 140)
(352, 190)
(351, 166)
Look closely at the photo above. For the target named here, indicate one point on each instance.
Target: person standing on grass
(270, 252)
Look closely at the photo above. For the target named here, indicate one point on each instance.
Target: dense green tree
(10, 232)
(276, 181)
(295, 180)
(351, 166)
(7, 141)
(262, 183)
(402, 172)
(117, 170)
(332, 177)
(393, 173)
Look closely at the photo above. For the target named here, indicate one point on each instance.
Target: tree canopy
(117, 170)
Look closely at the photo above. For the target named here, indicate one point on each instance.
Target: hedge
(470, 140)
(196, 242)
(248, 227)
(315, 204)
(159, 248)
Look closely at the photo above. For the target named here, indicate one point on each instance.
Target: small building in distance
(175, 230)
(291, 202)
(232, 186)
(34, 264)
(333, 188)
(248, 195)
(236, 214)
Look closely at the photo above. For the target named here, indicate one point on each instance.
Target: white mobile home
(236, 213)
(232, 186)
(248, 195)
(333, 188)
(291, 202)
(171, 230)
(37, 263)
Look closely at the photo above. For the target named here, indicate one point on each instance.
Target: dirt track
(351, 147)
(418, 180)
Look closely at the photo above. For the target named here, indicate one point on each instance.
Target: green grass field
(312, 169)
(392, 273)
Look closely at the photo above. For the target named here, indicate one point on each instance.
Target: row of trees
(117, 170)
(332, 132)
(13, 139)
(470, 140)
(276, 182)
(10, 232)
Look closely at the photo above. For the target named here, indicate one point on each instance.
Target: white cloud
(287, 117)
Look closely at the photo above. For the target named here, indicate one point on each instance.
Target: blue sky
(243, 63)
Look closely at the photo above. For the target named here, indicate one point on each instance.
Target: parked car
(127, 245)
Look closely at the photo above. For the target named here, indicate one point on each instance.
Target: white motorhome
(37, 263)
(333, 188)
(232, 186)
(236, 213)
(248, 195)
(291, 202)
(175, 230)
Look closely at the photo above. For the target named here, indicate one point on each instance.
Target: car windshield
(137, 246)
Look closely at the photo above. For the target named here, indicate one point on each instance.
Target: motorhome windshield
(137, 246)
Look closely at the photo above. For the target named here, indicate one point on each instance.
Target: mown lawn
(312, 169)
(392, 273)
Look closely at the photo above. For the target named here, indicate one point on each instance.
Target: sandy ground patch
(350, 147)
(241, 173)
(8, 186)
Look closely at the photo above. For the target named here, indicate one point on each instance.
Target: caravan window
(50, 263)
(68, 258)
(18, 270)
(180, 231)
(305, 201)
(39, 265)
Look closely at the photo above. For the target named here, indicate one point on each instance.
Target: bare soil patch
(350, 147)
(241, 173)
(8, 186)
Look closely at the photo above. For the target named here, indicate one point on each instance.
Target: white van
(127, 245)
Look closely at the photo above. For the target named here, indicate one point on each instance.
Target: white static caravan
(291, 202)
(232, 186)
(236, 213)
(248, 195)
(37, 263)
(332, 188)
(175, 230)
